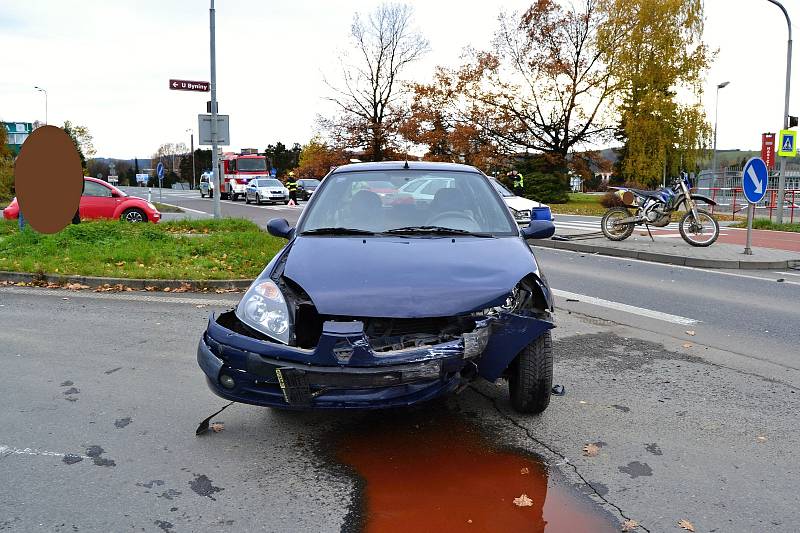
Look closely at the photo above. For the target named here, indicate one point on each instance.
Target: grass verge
(580, 204)
(184, 249)
(164, 208)
(766, 224)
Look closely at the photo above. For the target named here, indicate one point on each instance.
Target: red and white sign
(768, 149)
(187, 85)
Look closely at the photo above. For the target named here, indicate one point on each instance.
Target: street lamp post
(45, 102)
(782, 177)
(716, 115)
(191, 143)
(214, 144)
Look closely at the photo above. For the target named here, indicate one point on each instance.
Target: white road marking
(186, 208)
(10, 450)
(155, 297)
(641, 311)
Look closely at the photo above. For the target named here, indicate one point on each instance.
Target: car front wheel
(531, 379)
(133, 215)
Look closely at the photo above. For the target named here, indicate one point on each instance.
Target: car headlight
(264, 309)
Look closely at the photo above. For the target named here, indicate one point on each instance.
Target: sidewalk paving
(674, 251)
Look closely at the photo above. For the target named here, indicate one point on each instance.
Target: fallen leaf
(167, 289)
(524, 470)
(582, 401)
(687, 344)
(200, 306)
(141, 265)
(524, 501)
(150, 288)
(591, 450)
(629, 525)
(119, 264)
(690, 332)
(216, 427)
(761, 438)
(685, 524)
(65, 298)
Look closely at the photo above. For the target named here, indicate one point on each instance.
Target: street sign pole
(747, 249)
(214, 156)
(782, 177)
(755, 180)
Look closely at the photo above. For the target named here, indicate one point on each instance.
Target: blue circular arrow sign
(755, 178)
(160, 169)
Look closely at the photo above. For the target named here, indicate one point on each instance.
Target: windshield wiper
(440, 230)
(337, 231)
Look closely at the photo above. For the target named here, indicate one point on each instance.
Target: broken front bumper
(343, 372)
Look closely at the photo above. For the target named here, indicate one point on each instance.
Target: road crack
(564, 459)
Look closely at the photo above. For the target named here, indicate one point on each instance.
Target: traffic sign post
(160, 174)
(755, 179)
(188, 85)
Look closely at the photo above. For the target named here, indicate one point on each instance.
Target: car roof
(404, 165)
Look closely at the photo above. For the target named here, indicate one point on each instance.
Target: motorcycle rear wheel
(703, 232)
(614, 231)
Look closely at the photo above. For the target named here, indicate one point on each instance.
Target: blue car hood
(407, 277)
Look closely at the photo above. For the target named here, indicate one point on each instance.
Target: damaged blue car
(377, 303)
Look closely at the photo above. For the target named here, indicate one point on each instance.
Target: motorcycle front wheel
(612, 229)
(701, 232)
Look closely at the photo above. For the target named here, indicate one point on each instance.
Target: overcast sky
(106, 64)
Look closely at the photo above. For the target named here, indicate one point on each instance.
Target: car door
(97, 201)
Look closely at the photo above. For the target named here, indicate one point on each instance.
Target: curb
(654, 257)
(133, 283)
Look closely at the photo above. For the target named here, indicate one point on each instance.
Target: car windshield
(499, 187)
(347, 202)
(269, 183)
(251, 165)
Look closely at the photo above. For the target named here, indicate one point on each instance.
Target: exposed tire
(258, 200)
(616, 232)
(133, 215)
(202, 194)
(531, 379)
(706, 218)
(247, 198)
(286, 202)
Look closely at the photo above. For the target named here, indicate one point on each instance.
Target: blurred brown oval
(49, 179)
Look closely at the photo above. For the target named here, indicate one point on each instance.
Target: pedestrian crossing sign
(787, 147)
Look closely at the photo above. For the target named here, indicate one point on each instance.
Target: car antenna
(405, 166)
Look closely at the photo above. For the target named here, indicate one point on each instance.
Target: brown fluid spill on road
(430, 474)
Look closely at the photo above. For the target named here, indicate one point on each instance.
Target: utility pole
(716, 116)
(191, 143)
(214, 156)
(782, 177)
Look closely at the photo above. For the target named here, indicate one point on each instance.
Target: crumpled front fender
(510, 334)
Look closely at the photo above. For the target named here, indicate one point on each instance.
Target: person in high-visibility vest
(291, 184)
(518, 182)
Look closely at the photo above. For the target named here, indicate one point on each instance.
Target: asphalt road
(102, 396)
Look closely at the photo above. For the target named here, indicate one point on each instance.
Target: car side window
(96, 190)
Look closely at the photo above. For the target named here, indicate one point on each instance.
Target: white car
(421, 190)
(520, 207)
(266, 190)
(206, 185)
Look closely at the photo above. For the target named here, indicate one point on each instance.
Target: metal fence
(725, 188)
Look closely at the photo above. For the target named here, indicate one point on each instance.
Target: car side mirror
(279, 227)
(538, 229)
(115, 194)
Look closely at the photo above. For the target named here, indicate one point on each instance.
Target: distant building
(17, 133)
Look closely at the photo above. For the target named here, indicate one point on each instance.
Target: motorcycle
(654, 208)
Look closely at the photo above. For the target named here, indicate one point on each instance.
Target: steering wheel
(449, 214)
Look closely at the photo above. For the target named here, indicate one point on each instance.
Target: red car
(101, 200)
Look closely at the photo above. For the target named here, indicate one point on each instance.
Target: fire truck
(236, 171)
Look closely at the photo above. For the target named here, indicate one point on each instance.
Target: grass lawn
(185, 249)
(580, 204)
(766, 224)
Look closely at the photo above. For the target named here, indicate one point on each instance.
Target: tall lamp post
(190, 131)
(782, 178)
(45, 102)
(716, 115)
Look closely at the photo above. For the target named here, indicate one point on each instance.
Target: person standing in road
(291, 184)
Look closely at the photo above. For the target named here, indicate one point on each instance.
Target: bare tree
(371, 95)
(547, 84)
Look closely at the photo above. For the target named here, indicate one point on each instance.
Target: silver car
(266, 190)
